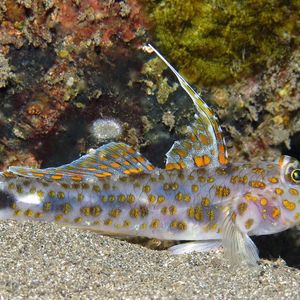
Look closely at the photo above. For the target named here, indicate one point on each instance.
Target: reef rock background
(64, 64)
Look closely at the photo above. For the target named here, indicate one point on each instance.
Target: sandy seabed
(46, 261)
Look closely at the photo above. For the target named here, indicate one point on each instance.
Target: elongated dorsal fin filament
(205, 145)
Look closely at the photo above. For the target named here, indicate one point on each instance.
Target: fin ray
(198, 246)
(205, 143)
(238, 246)
(110, 159)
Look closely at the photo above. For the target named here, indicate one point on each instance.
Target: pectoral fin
(199, 246)
(238, 246)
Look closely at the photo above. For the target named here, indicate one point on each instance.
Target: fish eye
(295, 175)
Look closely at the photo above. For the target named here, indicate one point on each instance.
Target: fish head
(266, 201)
(288, 194)
(270, 202)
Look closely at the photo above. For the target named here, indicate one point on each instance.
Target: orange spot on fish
(56, 176)
(132, 171)
(182, 164)
(250, 197)
(130, 150)
(103, 166)
(263, 201)
(280, 161)
(273, 180)
(219, 136)
(193, 138)
(257, 184)
(201, 161)
(172, 166)
(209, 112)
(140, 159)
(102, 156)
(187, 145)
(293, 192)
(9, 174)
(279, 191)
(104, 174)
(181, 153)
(76, 178)
(222, 159)
(276, 213)
(150, 167)
(288, 204)
(115, 165)
(38, 174)
(221, 148)
(204, 139)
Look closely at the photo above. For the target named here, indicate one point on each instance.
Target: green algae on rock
(155, 67)
(5, 71)
(218, 41)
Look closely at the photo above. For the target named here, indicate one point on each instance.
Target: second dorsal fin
(205, 145)
(110, 159)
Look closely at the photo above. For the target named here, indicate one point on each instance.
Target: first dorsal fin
(205, 145)
(110, 159)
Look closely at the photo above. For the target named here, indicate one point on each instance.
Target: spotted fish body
(199, 196)
(173, 205)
